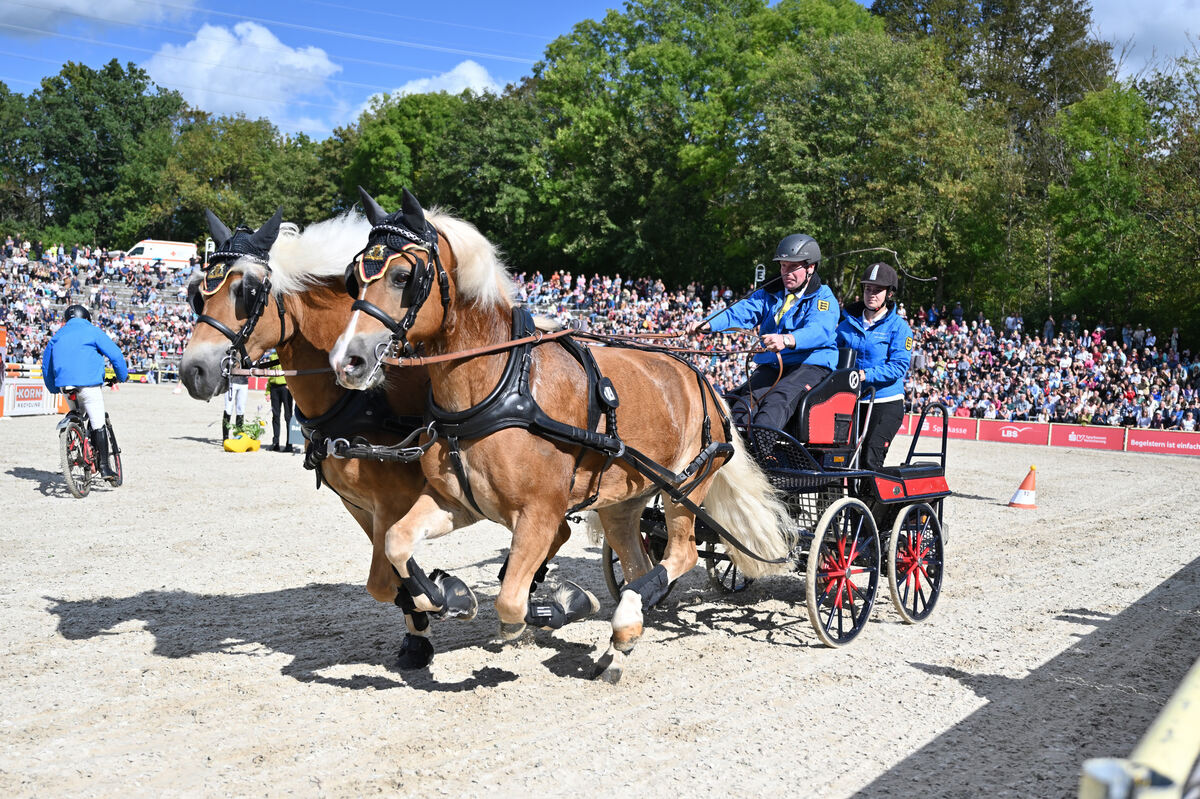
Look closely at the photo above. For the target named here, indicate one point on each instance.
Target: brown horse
(505, 466)
(268, 289)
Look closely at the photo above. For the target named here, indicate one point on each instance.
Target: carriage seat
(827, 415)
(913, 471)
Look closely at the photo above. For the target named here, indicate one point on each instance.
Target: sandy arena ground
(204, 631)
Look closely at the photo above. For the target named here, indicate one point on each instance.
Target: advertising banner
(1014, 432)
(26, 397)
(959, 428)
(1073, 435)
(1165, 442)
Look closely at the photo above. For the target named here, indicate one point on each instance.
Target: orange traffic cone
(1024, 498)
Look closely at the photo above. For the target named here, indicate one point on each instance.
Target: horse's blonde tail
(742, 500)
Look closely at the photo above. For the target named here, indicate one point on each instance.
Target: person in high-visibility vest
(281, 402)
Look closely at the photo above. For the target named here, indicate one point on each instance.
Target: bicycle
(78, 457)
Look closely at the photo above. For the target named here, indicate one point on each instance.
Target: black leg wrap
(417, 584)
(569, 604)
(651, 586)
(415, 652)
(547, 615)
(458, 601)
(417, 619)
(538, 578)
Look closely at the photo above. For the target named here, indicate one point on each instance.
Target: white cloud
(1159, 29)
(248, 70)
(467, 75)
(56, 14)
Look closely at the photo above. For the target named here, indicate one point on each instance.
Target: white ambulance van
(172, 254)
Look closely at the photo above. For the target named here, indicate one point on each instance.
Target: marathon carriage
(853, 527)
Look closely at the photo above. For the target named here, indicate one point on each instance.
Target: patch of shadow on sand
(1095, 699)
(320, 626)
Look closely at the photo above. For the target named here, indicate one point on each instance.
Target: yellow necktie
(788, 302)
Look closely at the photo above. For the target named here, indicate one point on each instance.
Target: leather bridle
(258, 296)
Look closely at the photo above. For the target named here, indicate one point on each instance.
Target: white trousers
(91, 399)
(235, 399)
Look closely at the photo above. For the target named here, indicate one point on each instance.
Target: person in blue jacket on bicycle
(798, 322)
(74, 358)
(884, 343)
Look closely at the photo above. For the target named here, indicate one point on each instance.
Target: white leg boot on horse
(648, 590)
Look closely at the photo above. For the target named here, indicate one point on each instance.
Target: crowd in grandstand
(139, 305)
(1062, 372)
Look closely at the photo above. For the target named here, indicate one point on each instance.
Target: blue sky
(310, 65)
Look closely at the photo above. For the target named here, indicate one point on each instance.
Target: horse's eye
(399, 277)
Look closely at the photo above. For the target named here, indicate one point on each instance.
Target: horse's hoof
(576, 601)
(460, 601)
(416, 652)
(511, 632)
(610, 667)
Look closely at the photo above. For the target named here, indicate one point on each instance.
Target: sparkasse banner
(1077, 435)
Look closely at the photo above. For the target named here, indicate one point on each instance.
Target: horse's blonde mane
(481, 277)
(321, 251)
(300, 259)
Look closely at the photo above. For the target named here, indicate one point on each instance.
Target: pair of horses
(524, 436)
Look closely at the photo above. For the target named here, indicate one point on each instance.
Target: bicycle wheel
(114, 455)
(72, 448)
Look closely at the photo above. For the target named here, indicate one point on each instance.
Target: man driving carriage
(797, 324)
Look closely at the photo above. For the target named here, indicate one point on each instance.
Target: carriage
(853, 527)
(491, 446)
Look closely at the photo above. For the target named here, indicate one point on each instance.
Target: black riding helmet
(798, 247)
(881, 274)
(77, 312)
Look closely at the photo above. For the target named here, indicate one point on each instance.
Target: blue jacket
(884, 351)
(812, 319)
(75, 357)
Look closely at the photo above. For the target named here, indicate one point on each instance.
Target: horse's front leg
(438, 593)
(536, 536)
(561, 537)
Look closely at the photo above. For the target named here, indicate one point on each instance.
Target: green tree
(399, 145)
(647, 112)
(1094, 205)
(867, 142)
(83, 125)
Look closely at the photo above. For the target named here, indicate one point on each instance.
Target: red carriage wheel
(915, 556)
(843, 572)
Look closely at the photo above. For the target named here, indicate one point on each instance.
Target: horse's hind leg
(648, 590)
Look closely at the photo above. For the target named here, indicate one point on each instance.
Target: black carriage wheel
(72, 458)
(114, 457)
(843, 572)
(654, 543)
(915, 562)
(723, 574)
